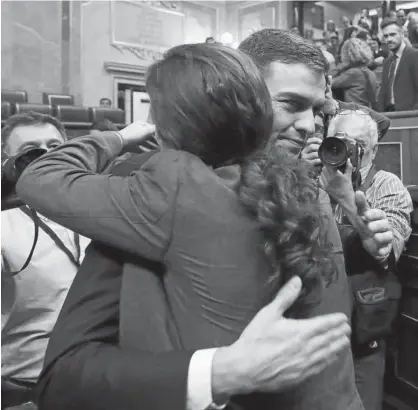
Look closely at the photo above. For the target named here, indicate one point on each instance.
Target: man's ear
(375, 150)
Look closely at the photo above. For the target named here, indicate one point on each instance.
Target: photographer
(39, 261)
(372, 273)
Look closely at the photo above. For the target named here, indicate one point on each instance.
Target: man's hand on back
(274, 353)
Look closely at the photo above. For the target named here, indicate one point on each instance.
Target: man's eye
(27, 148)
(292, 105)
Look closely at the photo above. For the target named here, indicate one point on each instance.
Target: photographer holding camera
(39, 261)
(347, 155)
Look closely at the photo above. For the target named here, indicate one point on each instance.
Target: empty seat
(57, 99)
(6, 110)
(116, 115)
(73, 116)
(14, 96)
(40, 108)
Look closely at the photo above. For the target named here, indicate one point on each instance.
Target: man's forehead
(35, 132)
(391, 29)
(353, 125)
(295, 80)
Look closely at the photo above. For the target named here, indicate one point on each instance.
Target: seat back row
(75, 116)
(21, 96)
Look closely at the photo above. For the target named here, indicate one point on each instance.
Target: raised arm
(132, 213)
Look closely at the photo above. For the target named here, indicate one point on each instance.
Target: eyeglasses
(352, 112)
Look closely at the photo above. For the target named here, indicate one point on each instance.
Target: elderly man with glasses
(374, 283)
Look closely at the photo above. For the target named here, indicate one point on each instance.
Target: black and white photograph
(209, 205)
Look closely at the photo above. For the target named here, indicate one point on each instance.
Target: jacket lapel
(401, 62)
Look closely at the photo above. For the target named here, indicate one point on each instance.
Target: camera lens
(333, 152)
(26, 158)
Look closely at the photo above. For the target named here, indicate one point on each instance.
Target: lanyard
(41, 224)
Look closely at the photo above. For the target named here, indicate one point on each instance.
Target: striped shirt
(388, 194)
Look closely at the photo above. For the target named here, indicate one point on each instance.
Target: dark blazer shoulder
(131, 164)
(411, 51)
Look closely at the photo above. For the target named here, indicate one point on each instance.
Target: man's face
(393, 37)
(298, 94)
(400, 15)
(26, 137)
(353, 126)
(346, 22)
(105, 103)
(372, 44)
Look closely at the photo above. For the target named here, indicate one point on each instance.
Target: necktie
(392, 67)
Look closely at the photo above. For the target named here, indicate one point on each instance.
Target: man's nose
(306, 122)
(45, 146)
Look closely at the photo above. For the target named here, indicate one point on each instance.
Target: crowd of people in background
(369, 31)
(130, 206)
(365, 59)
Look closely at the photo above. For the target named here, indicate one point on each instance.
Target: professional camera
(12, 169)
(336, 151)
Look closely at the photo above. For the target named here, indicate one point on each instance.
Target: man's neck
(365, 171)
(400, 49)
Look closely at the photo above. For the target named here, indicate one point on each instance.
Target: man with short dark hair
(105, 102)
(298, 92)
(401, 19)
(399, 89)
(33, 292)
(31, 130)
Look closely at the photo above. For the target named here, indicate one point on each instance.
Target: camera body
(11, 169)
(336, 151)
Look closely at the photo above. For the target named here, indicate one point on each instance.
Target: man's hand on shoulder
(136, 133)
(274, 353)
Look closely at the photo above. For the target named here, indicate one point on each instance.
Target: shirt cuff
(199, 381)
(122, 142)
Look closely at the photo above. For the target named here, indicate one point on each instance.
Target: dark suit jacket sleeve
(414, 68)
(384, 85)
(383, 122)
(133, 213)
(343, 80)
(84, 367)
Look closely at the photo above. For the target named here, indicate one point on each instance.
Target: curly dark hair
(212, 101)
(280, 193)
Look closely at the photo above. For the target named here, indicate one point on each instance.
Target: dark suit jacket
(406, 82)
(84, 366)
(225, 251)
